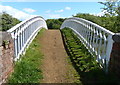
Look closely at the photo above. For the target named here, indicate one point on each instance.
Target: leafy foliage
(7, 22)
(54, 23)
(113, 12)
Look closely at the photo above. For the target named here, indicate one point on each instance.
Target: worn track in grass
(55, 67)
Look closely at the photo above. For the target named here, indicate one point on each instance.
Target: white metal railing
(96, 39)
(24, 32)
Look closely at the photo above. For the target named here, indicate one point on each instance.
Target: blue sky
(49, 10)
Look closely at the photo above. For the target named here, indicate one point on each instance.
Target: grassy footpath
(88, 69)
(27, 70)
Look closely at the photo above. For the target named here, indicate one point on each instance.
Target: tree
(54, 23)
(112, 8)
(7, 22)
(118, 17)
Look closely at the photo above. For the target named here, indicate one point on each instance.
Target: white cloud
(15, 12)
(29, 10)
(48, 11)
(68, 8)
(59, 10)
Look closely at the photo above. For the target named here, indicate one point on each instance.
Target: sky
(49, 10)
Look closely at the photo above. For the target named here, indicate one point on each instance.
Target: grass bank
(27, 69)
(84, 63)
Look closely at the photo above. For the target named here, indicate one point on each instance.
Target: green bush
(54, 23)
(7, 22)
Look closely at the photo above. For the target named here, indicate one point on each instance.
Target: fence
(25, 32)
(96, 39)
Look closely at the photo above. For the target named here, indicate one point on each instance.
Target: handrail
(24, 32)
(95, 38)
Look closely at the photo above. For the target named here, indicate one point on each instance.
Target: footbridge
(95, 38)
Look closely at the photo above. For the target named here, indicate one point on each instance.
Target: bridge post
(108, 52)
(115, 55)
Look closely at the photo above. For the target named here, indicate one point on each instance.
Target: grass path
(55, 67)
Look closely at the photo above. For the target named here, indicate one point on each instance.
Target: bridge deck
(54, 65)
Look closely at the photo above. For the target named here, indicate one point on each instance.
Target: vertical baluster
(15, 43)
(27, 33)
(99, 46)
(97, 42)
(21, 39)
(18, 41)
(93, 41)
(104, 46)
(30, 31)
(24, 35)
(31, 28)
(36, 24)
(91, 37)
(34, 27)
(88, 33)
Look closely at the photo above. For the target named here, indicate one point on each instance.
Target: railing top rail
(89, 22)
(23, 22)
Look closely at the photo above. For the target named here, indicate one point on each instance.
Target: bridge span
(95, 38)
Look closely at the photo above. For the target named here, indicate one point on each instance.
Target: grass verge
(27, 69)
(84, 63)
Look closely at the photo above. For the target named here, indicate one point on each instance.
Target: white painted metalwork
(96, 39)
(24, 32)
